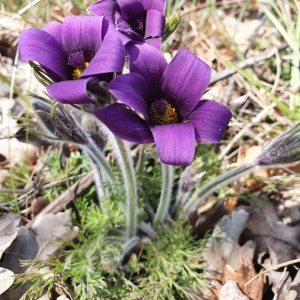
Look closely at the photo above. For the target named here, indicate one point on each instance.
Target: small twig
(255, 120)
(67, 196)
(247, 63)
(290, 262)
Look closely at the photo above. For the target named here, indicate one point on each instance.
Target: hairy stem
(126, 165)
(165, 196)
(216, 184)
(140, 164)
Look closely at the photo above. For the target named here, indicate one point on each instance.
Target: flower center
(77, 72)
(161, 113)
(138, 26)
(77, 61)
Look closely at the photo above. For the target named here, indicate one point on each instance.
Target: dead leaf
(242, 275)
(38, 204)
(6, 279)
(223, 247)
(276, 243)
(8, 230)
(294, 288)
(51, 227)
(231, 291)
(271, 235)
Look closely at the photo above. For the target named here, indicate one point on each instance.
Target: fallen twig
(67, 196)
(247, 63)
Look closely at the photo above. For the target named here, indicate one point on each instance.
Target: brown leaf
(8, 230)
(230, 291)
(276, 243)
(223, 247)
(242, 275)
(51, 227)
(6, 279)
(294, 289)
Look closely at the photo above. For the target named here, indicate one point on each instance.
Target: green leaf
(171, 25)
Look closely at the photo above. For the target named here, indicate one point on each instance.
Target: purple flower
(161, 104)
(140, 20)
(75, 54)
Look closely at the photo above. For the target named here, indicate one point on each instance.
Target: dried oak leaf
(231, 291)
(276, 243)
(242, 275)
(223, 248)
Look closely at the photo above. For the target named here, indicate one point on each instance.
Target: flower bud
(284, 149)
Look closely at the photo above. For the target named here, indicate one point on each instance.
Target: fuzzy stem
(140, 164)
(165, 196)
(126, 165)
(97, 172)
(99, 157)
(216, 184)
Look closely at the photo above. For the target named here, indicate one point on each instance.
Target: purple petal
(70, 91)
(185, 81)
(125, 123)
(132, 90)
(38, 45)
(82, 33)
(210, 120)
(155, 23)
(159, 5)
(109, 58)
(105, 8)
(154, 42)
(132, 9)
(126, 29)
(55, 29)
(148, 62)
(175, 143)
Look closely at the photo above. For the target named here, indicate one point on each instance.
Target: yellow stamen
(168, 117)
(77, 72)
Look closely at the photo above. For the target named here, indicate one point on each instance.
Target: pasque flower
(161, 104)
(140, 20)
(74, 54)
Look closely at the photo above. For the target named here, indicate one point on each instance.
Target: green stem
(98, 176)
(140, 164)
(165, 196)
(216, 184)
(126, 165)
(98, 156)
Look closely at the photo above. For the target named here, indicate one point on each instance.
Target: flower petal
(132, 9)
(132, 90)
(148, 62)
(154, 42)
(210, 120)
(82, 33)
(109, 58)
(126, 29)
(185, 81)
(70, 91)
(55, 29)
(155, 23)
(105, 8)
(175, 143)
(125, 123)
(159, 5)
(38, 45)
